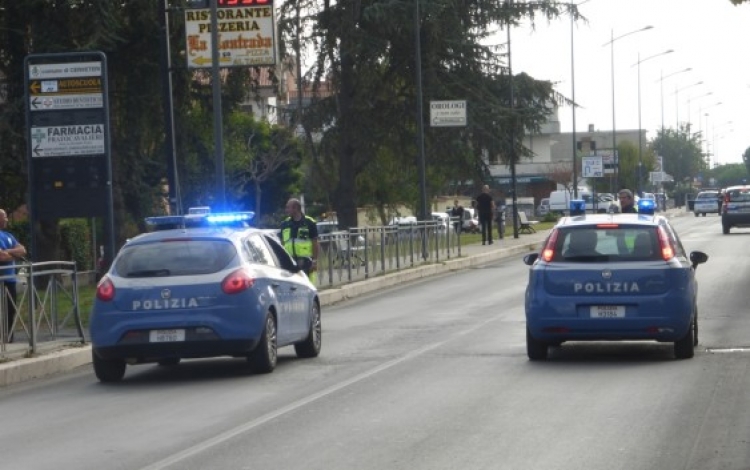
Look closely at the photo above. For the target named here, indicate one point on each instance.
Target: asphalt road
(431, 375)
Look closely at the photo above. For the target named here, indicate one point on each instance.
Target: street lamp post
(690, 100)
(611, 43)
(661, 86)
(704, 138)
(573, 98)
(677, 102)
(640, 131)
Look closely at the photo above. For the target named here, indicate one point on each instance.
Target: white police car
(612, 277)
(204, 290)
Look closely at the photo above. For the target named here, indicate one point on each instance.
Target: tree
(562, 174)
(746, 159)
(680, 151)
(367, 50)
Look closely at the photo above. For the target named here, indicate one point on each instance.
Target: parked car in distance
(543, 207)
(612, 277)
(706, 202)
(735, 210)
(471, 222)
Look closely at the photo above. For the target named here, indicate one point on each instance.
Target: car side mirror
(530, 258)
(698, 257)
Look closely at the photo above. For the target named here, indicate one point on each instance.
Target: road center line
(232, 433)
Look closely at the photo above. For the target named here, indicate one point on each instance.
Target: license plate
(608, 311)
(166, 336)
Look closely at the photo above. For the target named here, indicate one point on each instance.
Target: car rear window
(596, 244)
(175, 258)
(707, 196)
(739, 194)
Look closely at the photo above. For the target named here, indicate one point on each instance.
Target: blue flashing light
(577, 207)
(226, 219)
(646, 206)
(229, 217)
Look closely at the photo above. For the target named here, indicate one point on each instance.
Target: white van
(559, 201)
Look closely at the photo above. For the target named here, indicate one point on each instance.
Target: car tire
(703, 214)
(108, 370)
(684, 348)
(696, 214)
(725, 229)
(536, 350)
(264, 356)
(310, 347)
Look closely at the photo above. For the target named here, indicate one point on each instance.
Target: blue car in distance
(200, 288)
(612, 277)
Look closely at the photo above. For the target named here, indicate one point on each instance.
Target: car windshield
(739, 195)
(594, 244)
(174, 258)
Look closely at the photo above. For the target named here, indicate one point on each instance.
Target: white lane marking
(232, 433)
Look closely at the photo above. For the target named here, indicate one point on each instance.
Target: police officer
(299, 235)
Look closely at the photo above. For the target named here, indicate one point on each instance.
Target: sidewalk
(64, 356)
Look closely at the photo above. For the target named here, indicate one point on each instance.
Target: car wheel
(171, 362)
(108, 370)
(310, 347)
(264, 356)
(696, 214)
(535, 349)
(703, 214)
(725, 229)
(684, 348)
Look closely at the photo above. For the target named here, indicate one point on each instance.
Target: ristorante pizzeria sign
(246, 35)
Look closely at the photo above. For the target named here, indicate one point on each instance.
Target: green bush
(76, 243)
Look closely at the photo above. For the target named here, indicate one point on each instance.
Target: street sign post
(247, 35)
(592, 167)
(448, 113)
(68, 140)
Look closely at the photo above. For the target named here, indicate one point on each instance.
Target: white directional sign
(54, 102)
(74, 140)
(65, 70)
(592, 167)
(448, 113)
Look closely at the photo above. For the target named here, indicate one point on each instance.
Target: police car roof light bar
(646, 206)
(226, 219)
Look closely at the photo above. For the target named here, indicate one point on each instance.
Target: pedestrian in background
(299, 235)
(486, 209)
(457, 214)
(500, 218)
(10, 251)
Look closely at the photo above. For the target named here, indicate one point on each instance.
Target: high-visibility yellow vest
(298, 244)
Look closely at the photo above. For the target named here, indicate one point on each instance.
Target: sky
(711, 37)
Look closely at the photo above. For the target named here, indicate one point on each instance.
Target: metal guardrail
(364, 252)
(46, 304)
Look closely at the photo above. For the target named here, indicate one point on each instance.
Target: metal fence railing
(364, 252)
(46, 305)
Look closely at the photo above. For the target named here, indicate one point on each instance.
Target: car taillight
(237, 282)
(105, 290)
(548, 252)
(667, 250)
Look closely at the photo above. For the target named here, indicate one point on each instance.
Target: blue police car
(202, 286)
(612, 277)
